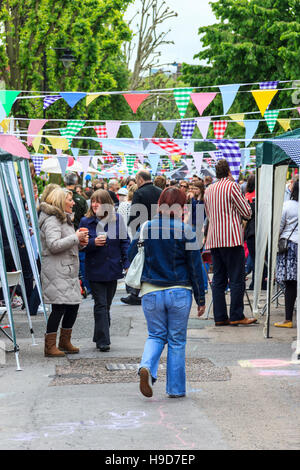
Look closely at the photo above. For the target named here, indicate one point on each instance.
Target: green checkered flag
(130, 159)
(271, 118)
(73, 127)
(182, 97)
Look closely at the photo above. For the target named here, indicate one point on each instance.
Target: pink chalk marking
(279, 373)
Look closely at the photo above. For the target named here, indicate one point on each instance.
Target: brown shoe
(145, 382)
(222, 323)
(50, 346)
(244, 321)
(65, 343)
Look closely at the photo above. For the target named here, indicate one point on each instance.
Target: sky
(184, 29)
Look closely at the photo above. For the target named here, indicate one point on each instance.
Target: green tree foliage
(253, 41)
(94, 30)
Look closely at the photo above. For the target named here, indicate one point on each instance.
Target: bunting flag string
(72, 98)
(34, 128)
(91, 97)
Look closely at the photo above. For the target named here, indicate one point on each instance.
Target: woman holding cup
(106, 260)
(59, 269)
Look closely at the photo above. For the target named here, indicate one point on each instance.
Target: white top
(289, 220)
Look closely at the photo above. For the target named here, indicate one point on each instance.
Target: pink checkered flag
(219, 129)
(101, 131)
(169, 146)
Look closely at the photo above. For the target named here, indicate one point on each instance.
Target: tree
(145, 51)
(253, 41)
(93, 29)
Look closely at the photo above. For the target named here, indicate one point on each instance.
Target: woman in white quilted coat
(60, 268)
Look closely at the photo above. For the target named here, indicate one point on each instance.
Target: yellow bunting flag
(58, 142)
(5, 125)
(263, 98)
(239, 118)
(285, 124)
(90, 98)
(37, 141)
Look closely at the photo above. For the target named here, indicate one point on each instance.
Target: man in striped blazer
(225, 206)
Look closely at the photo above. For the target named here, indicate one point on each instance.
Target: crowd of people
(90, 236)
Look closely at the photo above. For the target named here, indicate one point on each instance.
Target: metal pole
(45, 77)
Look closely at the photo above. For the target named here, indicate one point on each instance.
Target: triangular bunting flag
(251, 127)
(169, 146)
(203, 125)
(12, 145)
(91, 97)
(189, 164)
(154, 159)
(2, 113)
(58, 142)
(170, 127)
(72, 98)
(232, 153)
(135, 128)
(101, 132)
(37, 161)
(202, 100)
(182, 98)
(228, 93)
(239, 118)
(298, 109)
(34, 128)
(75, 152)
(263, 98)
(130, 159)
(5, 124)
(245, 158)
(148, 129)
(63, 163)
(187, 128)
(7, 99)
(271, 117)
(219, 129)
(285, 124)
(37, 141)
(268, 85)
(290, 146)
(198, 158)
(73, 127)
(48, 100)
(95, 162)
(85, 163)
(135, 99)
(112, 128)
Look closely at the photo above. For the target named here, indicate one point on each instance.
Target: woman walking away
(59, 270)
(172, 271)
(106, 259)
(287, 262)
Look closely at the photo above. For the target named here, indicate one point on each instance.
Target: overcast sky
(184, 29)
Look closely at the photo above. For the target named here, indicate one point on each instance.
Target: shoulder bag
(283, 243)
(134, 273)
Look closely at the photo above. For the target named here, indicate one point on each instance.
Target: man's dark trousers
(229, 270)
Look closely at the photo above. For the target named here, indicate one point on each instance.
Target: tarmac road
(242, 389)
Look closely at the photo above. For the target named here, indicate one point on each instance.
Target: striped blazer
(225, 205)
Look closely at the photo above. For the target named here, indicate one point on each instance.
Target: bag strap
(293, 231)
(141, 240)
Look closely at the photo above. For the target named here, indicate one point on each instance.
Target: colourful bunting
(112, 128)
(202, 100)
(48, 100)
(232, 153)
(198, 158)
(219, 129)
(228, 93)
(268, 85)
(135, 99)
(182, 98)
(5, 124)
(203, 125)
(63, 163)
(285, 124)
(170, 127)
(154, 160)
(251, 127)
(148, 129)
(2, 113)
(14, 146)
(101, 132)
(37, 141)
(263, 98)
(37, 162)
(58, 142)
(91, 97)
(7, 99)
(34, 128)
(73, 127)
(271, 117)
(72, 98)
(168, 145)
(187, 128)
(135, 128)
(239, 118)
(130, 159)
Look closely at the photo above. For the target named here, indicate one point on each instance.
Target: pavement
(242, 388)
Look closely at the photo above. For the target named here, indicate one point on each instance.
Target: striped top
(224, 207)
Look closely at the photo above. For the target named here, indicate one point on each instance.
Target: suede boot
(65, 343)
(50, 346)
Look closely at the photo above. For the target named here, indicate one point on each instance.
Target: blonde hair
(131, 191)
(48, 189)
(57, 198)
(102, 196)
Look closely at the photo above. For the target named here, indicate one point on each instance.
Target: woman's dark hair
(295, 191)
(250, 184)
(222, 169)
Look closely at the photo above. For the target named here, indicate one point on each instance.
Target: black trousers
(68, 314)
(290, 298)
(228, 266)
(103, 294)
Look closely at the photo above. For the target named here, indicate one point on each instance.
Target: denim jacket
(172, 255)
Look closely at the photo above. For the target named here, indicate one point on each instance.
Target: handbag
(134, 273)
(283, 243)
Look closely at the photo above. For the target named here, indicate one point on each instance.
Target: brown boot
(65, 343)
(50, 346)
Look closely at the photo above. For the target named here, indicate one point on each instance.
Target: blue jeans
(167, 314)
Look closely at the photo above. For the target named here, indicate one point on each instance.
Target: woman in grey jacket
(287, 262)
(60, 268)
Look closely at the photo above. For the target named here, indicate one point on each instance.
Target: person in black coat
(143, 208)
